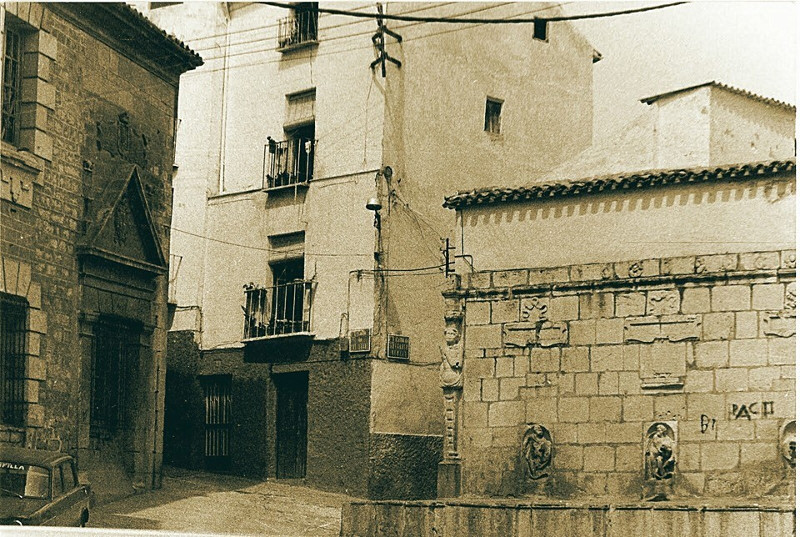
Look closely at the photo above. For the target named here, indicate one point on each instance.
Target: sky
(747, 44)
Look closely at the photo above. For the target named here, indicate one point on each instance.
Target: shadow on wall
(403, 467)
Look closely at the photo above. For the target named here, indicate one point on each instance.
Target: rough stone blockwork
(598, 353)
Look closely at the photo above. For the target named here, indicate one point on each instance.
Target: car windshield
(24, 481)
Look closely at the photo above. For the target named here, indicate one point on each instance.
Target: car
(41, 488)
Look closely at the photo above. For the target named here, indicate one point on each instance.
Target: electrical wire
(385, 16)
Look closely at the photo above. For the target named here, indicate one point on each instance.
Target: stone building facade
(356, 413)
(89, 106)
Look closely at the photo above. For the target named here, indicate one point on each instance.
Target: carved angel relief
(537, 450)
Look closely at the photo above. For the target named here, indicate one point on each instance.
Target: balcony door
(291, 427)
(288, 298)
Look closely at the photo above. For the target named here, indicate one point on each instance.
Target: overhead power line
(412, 18)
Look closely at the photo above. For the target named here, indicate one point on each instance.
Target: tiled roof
(610, 183)
(196, 60)
(738, 91)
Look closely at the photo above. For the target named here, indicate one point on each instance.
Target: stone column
(452, 382)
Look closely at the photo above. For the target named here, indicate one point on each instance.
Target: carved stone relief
(659, 460)
(540, 334)
(663, 302)
(778, 323)
(789, 444)
(450, 370)
(663, 364)
(537, 450)
(534, 309)
(668, 327)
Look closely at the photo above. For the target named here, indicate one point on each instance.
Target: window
(12, 84)
(491, 122)
(291, 160)
(113, 356)
(300, 28)
(69, 475)
(13, 317)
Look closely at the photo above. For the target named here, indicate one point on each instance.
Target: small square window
(491, 122)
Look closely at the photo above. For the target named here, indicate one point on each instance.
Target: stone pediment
(122, 230)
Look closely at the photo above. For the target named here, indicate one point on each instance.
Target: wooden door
(291, 424)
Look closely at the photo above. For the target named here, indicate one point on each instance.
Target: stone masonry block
(758, 453)
(586, 383)
(629, 304)
(625, 433)
(483, 337)
(504, 367)
(719, 456)
(782, 350)
(582, 332)
(768, 296)
(630, 382)
(677, 265)
(522, 366)
(670, 407)
(505, 311)
(509, 388)
(37, 142)
(11, 270)
(35, 415)
(506, 413)
(509, 278)
(35, 295)
(696, 300)
(747, 352)
(479, 367)
(23, 279)
(741, 429)
(591, 271)
(730, 380)
(715, 263)
(718, 326)
(730, 298)
(476, 414)
(31, 391)
(605, 409)
(535, 380)
(608, 383)
(504, 437)
(709, 404)
(573, 409)
(631, 355)
(746, 324)
(596, 305)
(690, 457)
(663, 360)
(607, 358)
(637, 408)
(490, 390)
(598, 459)
(711, 354)
(480, 280)
(592, 433)
(789, 259)
(699, 381)
(628, 458)
(548, 275)
(48, 45)
(472, 389)
(575, 359)
(569, 458)
(545, 360)
(609, 330)
(37, 321)
(563, 308)
(34, 343)
(541, 410)
(35, 368)
(478, 313)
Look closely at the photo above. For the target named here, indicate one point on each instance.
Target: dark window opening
(291, 161)
(491, 122)
(114, 355)
(13, 337)
(540, 29)
(12, 84)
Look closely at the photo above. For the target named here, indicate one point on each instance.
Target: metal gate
(217, 397)
(291, 424)
(12, 359)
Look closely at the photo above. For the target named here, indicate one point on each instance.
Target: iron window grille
(300, 28)
(12, 85)
(284, 308)
(114, 356)
(13, 349)
(491, 121)
(289, 162)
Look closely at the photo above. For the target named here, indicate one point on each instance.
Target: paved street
(211, 503)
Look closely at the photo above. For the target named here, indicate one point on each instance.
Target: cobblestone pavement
(192, 501)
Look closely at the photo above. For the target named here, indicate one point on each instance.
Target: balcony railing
(298, 29)
(288, 162)
(273, 311)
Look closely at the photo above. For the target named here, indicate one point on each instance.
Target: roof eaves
(720, 85)
(609, 183)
